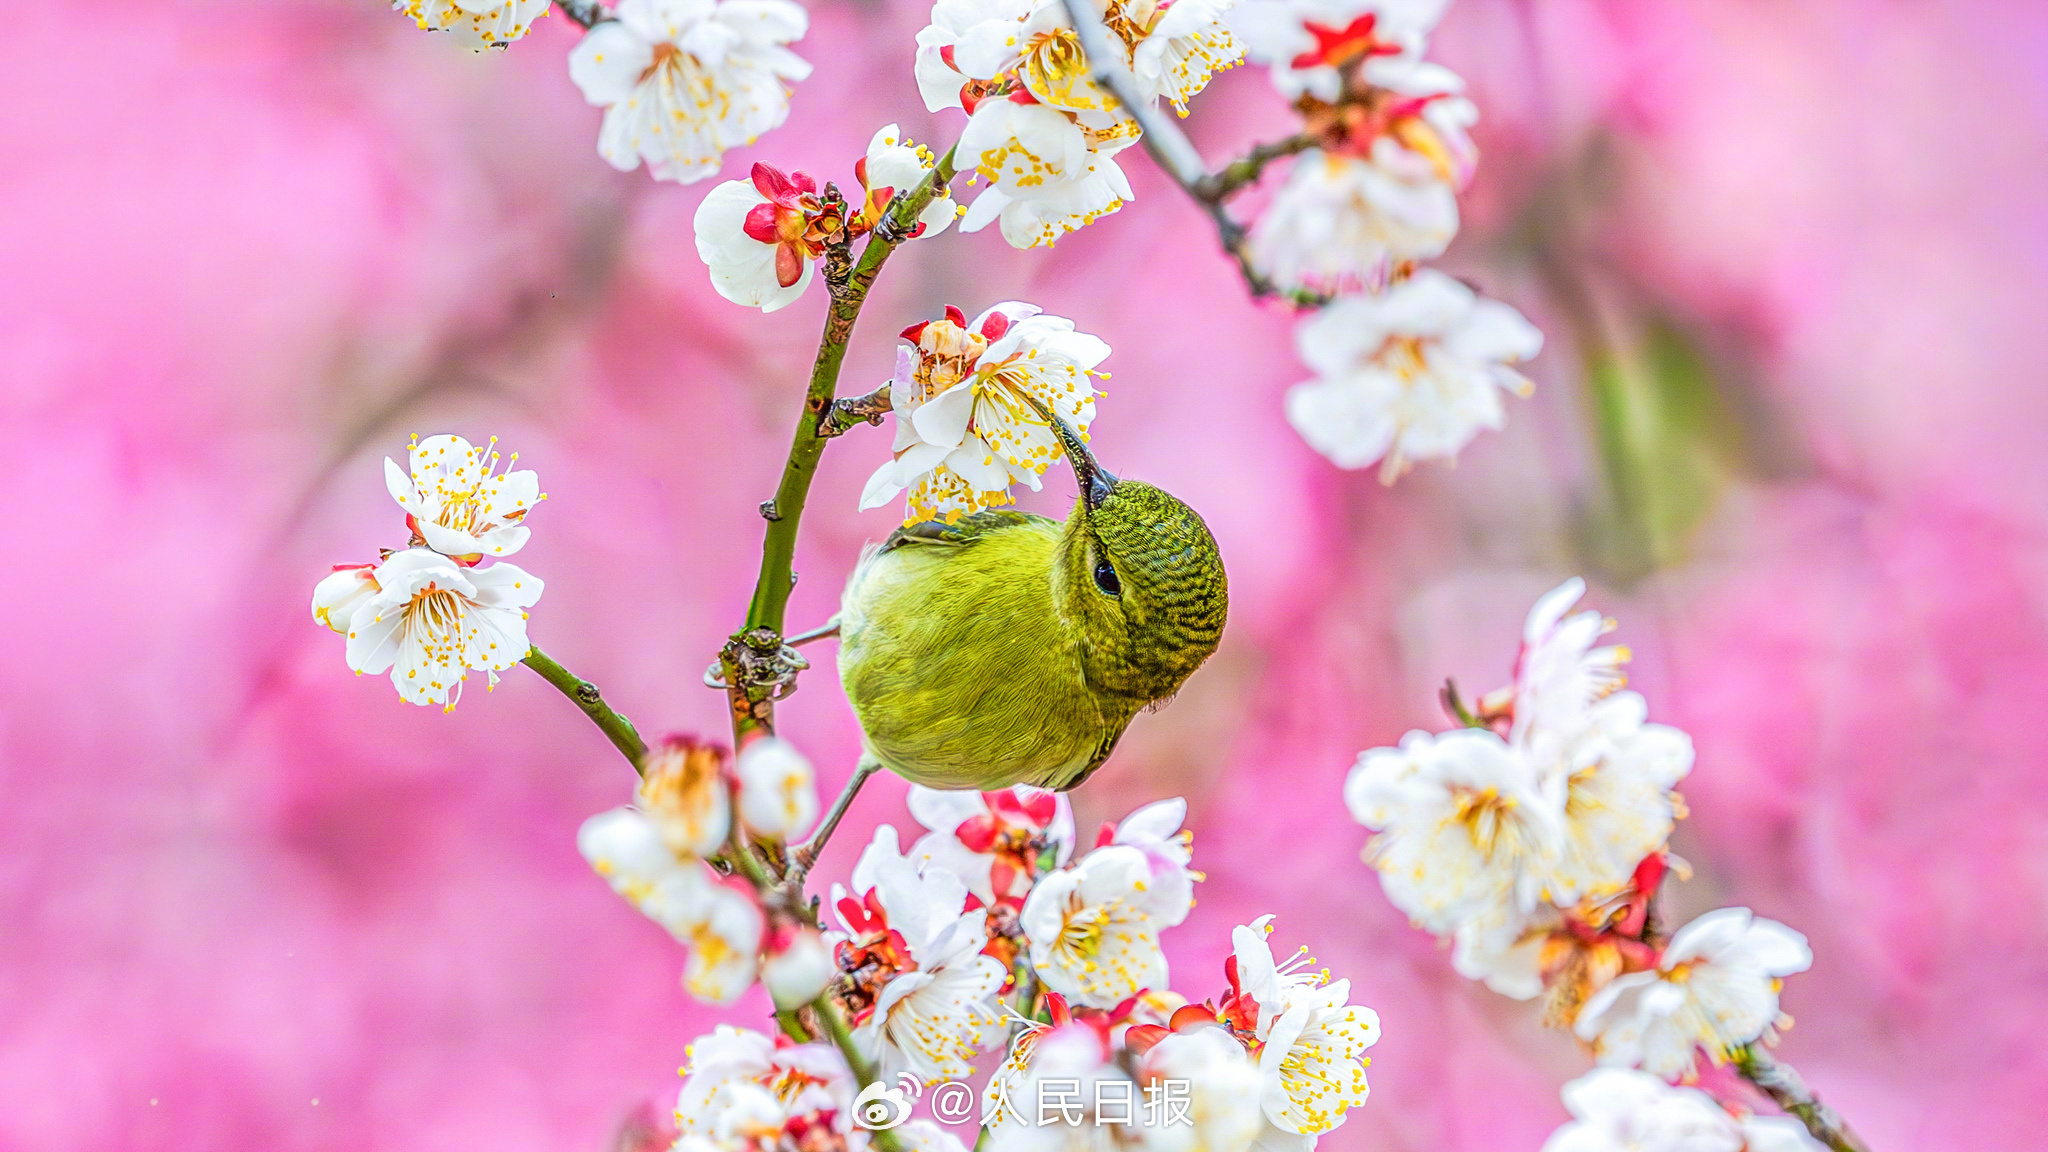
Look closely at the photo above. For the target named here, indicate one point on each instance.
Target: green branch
(849, 282)
(584, 694)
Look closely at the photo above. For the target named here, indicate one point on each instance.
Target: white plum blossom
(682, 81)
(1613, 780)
(760, 237)
(721, 924)
(778, 793)
(338, 594)
(433, 620)
(1179, 45)
(1412, 374)
(1340, 223)
(683, 791)
(895, 166)
(1094, 928)
(457, 503)
(1309, 1039)
(995, 841)
(1619, 1110)
(1464, 825)
(922, 991)
(1048, 175)
(1715, 987)
(1353, 215)
(1155, 831)
(963, 393)
(1559, 673)
(796, 966)
(1067, 1063)
(1307, 43)
(1224, 1087)
(475, 24)
(802, 1078)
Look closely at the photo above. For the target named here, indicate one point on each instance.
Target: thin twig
(806, 854)
(584, 12)
(849, 282)
(616, 727)
(868, 409)
(1782, 1083)
(822, 632)
(1228, 180)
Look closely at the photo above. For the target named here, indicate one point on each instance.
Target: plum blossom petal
(778, 792)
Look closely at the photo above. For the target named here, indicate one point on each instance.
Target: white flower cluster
(966, 395)
(1536, 836)
(1040, 130)
(653, 853)
(1617, 1110)
(430, 612)
(991, 935)
(1409, 364)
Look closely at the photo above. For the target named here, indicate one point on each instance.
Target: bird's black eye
(1105, 578)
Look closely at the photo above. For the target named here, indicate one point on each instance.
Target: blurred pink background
(1790, 423)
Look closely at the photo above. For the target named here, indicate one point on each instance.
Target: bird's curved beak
(1096, 481)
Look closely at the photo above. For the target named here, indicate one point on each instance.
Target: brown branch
(868, 409)
(1782, 1083)
(583, 12)
(1233, 177)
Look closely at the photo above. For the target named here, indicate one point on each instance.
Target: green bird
(1008, 648)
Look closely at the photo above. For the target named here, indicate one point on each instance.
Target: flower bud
(797, 968)
(778, 793)
(683, 791)
(337, 597)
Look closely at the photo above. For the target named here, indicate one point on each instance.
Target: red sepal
(1140, 1038)
(789, 267)
(760, 224)
(992, 330)
(978, 833)
(959, 320)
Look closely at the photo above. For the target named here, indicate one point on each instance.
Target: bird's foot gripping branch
(1000, 944)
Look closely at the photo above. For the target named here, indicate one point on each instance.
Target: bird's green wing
(965, 530)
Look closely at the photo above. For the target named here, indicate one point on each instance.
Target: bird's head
(1139, 579)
